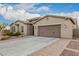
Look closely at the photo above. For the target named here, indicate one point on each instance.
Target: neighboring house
(48, 26)
(24, 28)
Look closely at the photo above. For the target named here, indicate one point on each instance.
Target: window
(22, 29)
(17, 27)
(13, 29)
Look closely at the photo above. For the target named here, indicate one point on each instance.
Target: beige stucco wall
(35, 30)
(66, 26)
(67, 29)
(20, 24)
(15, 28)
(30, 29)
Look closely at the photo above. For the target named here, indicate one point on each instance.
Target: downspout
(76, 29)
(77, 26)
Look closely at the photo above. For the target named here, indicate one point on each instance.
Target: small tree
(2, 26)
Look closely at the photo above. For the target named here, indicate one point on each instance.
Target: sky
(10, 12)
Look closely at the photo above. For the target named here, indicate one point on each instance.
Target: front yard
(36, 46)
(24, 45)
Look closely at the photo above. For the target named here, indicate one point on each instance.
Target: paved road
(24, 46)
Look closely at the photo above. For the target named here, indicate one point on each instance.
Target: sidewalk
(55, 49)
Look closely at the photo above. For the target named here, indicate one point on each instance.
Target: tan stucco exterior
(66, 26)
(66, 30)
(26, 28)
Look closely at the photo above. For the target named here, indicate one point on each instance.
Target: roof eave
(55, 16)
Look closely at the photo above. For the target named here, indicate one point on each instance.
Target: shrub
(16, 34)
(12, 34)
(9, 34)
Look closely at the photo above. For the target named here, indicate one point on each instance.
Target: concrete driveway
(24, 46)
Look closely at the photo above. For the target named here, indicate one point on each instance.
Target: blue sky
(3, 20)
(37, 8)
(61, 7)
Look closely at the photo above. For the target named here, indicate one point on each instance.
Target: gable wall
(67, 29)
(20, 24)
(65, 32)
(49, 21)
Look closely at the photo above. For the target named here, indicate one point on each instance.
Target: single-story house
(24, 28)
(47, 26)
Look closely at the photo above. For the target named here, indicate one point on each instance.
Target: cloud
(1, 5)
(17, 13)
(27, 11)
(22, 11)
(30, 7)
(43, 8)
(27, 6)
(72, 14)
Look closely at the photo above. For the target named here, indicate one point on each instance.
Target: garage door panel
(49, 31)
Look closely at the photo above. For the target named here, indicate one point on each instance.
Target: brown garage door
(49, 31)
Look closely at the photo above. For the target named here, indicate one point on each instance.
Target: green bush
(9, 34)
(12, 34)
(16, 34)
